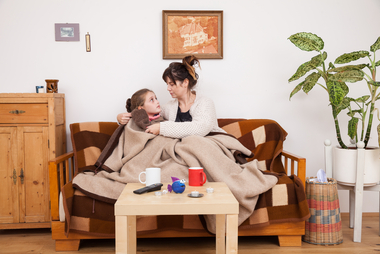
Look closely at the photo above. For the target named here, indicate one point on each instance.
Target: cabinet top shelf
(31, 95)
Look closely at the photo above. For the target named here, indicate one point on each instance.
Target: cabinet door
(33, 166)
(9, 212)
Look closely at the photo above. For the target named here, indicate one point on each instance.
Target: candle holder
(52, 85)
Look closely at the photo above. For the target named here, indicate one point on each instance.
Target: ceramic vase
(344, 166)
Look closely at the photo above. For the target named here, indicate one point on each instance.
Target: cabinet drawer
(23, 113)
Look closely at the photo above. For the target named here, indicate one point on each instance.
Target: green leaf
(336, 93)
(363, 99)
(373, 83)
(296, 89)
(377, 63)
(331, 66)
(348, 67)
(346, 58)
(308, 66)
(307, 41)
(344, 87)
(310, 82)
(375, 46)
(353, 112)
(352, 127)
(343, 105)
(351, 76)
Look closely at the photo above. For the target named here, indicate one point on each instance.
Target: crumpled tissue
(321, 177)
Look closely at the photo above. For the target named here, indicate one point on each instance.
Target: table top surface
(221, 201)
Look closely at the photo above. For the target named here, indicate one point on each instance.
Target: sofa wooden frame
(61, 171)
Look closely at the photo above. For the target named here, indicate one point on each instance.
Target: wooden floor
(38, 241)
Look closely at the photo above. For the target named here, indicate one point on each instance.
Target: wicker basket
(324, 226)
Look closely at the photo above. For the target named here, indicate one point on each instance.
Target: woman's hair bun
(189, 62)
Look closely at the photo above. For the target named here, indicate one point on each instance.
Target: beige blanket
(137, 150)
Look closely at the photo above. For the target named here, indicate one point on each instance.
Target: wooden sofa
(62, 169)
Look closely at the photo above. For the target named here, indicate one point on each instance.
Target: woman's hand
(154, 129)
(123, 118)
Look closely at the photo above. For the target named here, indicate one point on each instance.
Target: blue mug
(40, 89)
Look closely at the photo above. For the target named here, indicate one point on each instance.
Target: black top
(183, 117)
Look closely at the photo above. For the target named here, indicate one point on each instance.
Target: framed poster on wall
(66, 32)
(197, 33)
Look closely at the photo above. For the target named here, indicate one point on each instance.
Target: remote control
(149, 188)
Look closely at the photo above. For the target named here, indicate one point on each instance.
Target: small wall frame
(66, 32)
(192, 32)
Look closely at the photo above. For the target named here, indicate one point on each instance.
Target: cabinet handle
(14, 177)
(17, 111)
(22, 176)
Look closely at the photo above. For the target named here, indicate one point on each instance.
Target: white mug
(153, 175)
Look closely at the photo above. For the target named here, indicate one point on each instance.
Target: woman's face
(151, 104)
(178, 89)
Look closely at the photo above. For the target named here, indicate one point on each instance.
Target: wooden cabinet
(32, 131)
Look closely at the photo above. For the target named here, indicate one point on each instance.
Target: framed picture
(192, 32)
(67, 32)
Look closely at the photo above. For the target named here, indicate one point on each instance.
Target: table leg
(125, 235)
(220, 233)
(232, 234)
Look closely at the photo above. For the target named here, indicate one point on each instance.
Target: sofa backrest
(263, 137)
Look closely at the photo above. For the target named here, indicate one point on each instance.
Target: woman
(189, 113)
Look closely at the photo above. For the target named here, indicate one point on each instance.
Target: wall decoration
(192, 32)
(88, 42)
(67, 32)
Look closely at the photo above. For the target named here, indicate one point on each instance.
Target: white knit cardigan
(202, 112)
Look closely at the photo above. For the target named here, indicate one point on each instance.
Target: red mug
(196, 176)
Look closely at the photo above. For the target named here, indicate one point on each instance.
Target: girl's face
(151, 104)
(178, 89)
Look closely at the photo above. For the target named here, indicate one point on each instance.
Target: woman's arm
(204, 121)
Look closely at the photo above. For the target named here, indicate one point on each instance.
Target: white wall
(126, 40)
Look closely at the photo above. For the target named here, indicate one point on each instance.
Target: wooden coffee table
(221, 203)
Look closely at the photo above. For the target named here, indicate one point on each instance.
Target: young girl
(145, 108)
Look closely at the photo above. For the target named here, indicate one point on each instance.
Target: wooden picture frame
(66, 32)
(197, 33)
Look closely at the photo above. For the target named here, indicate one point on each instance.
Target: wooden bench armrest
(61, 171)
(299, 169)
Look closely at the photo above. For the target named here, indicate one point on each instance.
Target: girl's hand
(123, 118)
(154, 129)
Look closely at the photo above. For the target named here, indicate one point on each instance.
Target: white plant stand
(356, 191)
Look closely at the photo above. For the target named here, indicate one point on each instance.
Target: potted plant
(335, 77)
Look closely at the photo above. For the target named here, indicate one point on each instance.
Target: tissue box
(324, 226)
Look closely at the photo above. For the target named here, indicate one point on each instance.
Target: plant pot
(344, 166)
